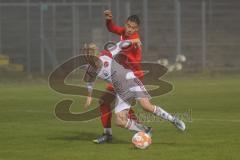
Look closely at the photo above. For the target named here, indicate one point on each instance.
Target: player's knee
(146, 105)
(121, 119)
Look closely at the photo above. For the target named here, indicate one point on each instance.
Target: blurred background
(200, 37)
(37, 35)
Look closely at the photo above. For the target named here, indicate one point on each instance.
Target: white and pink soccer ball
(141, 140)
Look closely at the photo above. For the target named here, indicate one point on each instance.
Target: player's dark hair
(134, 18)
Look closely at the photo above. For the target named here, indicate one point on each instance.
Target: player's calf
(122, 118)
(158, 111)
(123, 121)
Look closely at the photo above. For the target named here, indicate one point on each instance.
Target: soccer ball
(171, 68)
(163, 62)
(141, 140)
(180, 58)
(178, 66)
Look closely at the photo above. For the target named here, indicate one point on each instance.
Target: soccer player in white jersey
(127, 87)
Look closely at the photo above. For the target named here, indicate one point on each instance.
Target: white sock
(162, 113)
(135, 126)
(107, 131)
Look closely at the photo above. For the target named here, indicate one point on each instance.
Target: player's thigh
(146, 104)
(121, 105)
(122, 117)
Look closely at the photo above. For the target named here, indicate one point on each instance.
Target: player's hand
(136, 41)
(108, 14)
(88, 102)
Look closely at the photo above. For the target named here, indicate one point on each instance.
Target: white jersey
(126, 85)
(105, 72)
(109, 66)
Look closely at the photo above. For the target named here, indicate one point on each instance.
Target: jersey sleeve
(112, 27)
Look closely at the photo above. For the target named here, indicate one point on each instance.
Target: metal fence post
(203, 34)
(145, 23)
(128, 8)
(74, 29)
(42, 63)
(1, 29)
(28, 39)
(110, 8)
(54, 29)
(90, 9)
(117, 11)
(78, 31)
(178, 27)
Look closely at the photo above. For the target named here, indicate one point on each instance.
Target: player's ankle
(107, 131)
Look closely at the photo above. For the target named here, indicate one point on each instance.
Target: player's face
(91, 49)
(130, 28)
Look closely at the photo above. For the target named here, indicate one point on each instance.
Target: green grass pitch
(30, 131)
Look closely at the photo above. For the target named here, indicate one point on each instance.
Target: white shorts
(121, 105)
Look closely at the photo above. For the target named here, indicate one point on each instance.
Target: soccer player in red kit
(128, 32)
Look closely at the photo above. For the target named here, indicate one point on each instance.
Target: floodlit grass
(30, 130)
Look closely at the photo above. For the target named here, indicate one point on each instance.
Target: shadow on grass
(165, 143)
(84, 136)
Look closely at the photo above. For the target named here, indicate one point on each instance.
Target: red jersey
(134, 54)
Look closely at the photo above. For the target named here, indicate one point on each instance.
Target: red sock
(106, 115)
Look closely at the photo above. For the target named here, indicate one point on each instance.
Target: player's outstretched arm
(108, 14)
(88, 102)
(111, 26)
(89, 97)
(89, 77)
